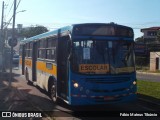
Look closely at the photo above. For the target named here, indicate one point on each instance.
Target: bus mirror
(69, 47)
(69, 43)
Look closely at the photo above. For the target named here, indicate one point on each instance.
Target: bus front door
(62, 74)
(23, 59)
(34, 59)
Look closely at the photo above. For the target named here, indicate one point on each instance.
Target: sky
(53, 14)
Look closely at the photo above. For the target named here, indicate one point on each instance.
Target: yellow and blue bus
(82, 64)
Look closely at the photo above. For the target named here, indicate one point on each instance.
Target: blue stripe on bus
(101, 37)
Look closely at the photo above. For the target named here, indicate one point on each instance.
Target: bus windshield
(102, 57)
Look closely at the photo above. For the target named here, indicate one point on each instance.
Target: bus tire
(53, 91)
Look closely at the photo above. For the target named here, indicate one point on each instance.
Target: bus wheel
(53, 93)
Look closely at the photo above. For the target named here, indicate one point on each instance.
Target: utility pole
(2, 18)
(13, 37)
(1, 39)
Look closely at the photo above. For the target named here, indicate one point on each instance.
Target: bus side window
(51, 48)
(42, 48)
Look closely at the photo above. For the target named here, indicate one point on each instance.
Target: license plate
(108, 98)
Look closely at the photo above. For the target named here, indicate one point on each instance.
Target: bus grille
(107, 91)
(107, 80)
(102, 99)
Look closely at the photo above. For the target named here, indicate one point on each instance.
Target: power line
(12, 16)
(18, 4)
(10, 9)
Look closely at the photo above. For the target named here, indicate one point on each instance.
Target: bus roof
(67, 28)
(47, 34)
(109, 24)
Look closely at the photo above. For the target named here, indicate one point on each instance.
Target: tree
(139, 40)
(158, 36)
(32, 31)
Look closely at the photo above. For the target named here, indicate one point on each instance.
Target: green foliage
(142, 61)
(139, 40)
(149, 88)
(158, 35)
(32, 31)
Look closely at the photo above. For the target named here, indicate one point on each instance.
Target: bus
(82, 64)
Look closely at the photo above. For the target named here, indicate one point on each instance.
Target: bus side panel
(22, 59)
(28, 66)
(20, 65)
(41, 74)
(44, 71)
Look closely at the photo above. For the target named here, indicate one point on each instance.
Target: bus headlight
(76, 85)
(134, 83)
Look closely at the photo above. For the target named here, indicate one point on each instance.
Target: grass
(157, 71)
(145, 69)
(149, 88)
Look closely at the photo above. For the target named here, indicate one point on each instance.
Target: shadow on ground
(13, 99)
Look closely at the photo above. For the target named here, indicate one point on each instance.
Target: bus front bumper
(93, 100)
